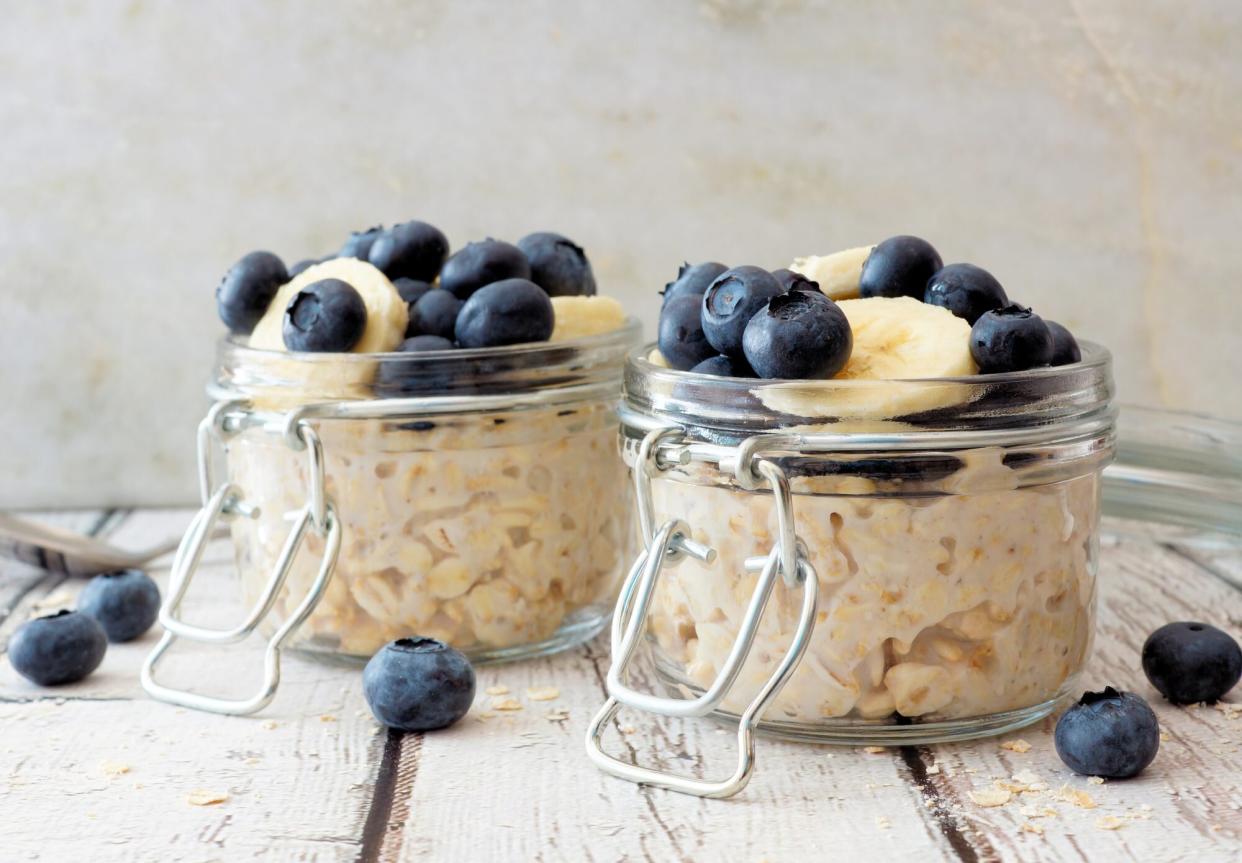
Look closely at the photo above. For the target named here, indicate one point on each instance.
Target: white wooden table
(96, 771)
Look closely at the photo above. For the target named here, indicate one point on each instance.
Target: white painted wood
(515, 785)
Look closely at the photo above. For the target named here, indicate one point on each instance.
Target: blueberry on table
(791, 281)
(422, 344)
(558, 265)
(1111, 734)
(899, 267)
(359, 243)
(482, 263)
(681, 339)
(247, 290)
(1191, 662)
(411, 250)
(434, 314)
(965, 290)
(327, 316)
(724, 367)
(730, 303)
(509, 312)
(1064, 345)
(1010, 339)
(125, 603)
(799, 335)
(418, 684)
(60, 648)
(693, 279)
(410, 289)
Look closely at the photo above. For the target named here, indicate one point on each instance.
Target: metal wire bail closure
(667, 547)
(224, 501)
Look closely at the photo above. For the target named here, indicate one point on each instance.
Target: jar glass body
(479, 493)
(952, 526)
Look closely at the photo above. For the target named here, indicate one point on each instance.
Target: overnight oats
(937, 451)
(461, 414)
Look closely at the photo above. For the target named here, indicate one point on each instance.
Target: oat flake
(1018, 745)
(990, 797)
(113, 768)
(543, 693)
(497, 690)
(1109, 822)
(202, 797)
(507, 704)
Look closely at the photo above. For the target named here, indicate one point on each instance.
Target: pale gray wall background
(1088, 153)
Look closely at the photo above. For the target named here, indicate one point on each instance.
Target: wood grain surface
(97, 771)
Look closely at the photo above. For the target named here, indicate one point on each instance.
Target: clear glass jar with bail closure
(474, 496)
(863, 562)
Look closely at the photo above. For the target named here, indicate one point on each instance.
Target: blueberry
(125, 603)
(898, 267)
(60, 648)
(1064, 345)
(247, 290)
(791, 281)
(327, 316)
(411, 289)
(798, 335)
(693, 279)
(965, 290)
(434, 314)
(359, 243)
(510, 312)
(1111, 734)
(1191, 662)
(558, 265)
(411, 250)
(421, 344)
(1010, 339)
(681, 338)
(730, 303)
(724, 367)
(418, 684)
(482, 263)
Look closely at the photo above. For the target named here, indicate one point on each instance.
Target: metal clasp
(224, 501)
(664, 548)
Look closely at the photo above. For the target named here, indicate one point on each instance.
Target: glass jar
(474, 496)
(883, 562)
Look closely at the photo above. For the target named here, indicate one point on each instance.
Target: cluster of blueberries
(749, 322)
(490, 293)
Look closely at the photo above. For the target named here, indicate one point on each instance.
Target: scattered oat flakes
(113, 768)
(933, 770)
(202, 797)
(506, 704)
(543, 693)
(882, 822)
(253, 761)
(270, 724)
(1028, 811)
(873, 750)
(1018, 745)
(628, 729)
(1073, 795)
(1095, 780)
(556, 714)
(1109, 822)
(1027, 778)
(327, 717)
(1029, 827)
(1164, 737)
(989, 797)
(497, 690)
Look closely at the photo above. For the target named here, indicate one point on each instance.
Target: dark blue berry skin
(247, 290)
(483, 263)
(724, 367)
(422, 344)
(681, 339)
(410, 289)
(418, 684)
(1064, 346)
(60, 648)
(1010, 339)
(510, 312)
(125, 603)
(965, 290)
(899, 267)
(558, 265)
(1111, 734)
(730, 303)
(791, 281)
(800, 335)
(360, 242)
(327, 316)
(411, 250)
(434, 314)
(1192, 662)
(693, 279)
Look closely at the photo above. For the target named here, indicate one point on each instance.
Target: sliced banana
(896, 339)
(578, 317)
(387, 313)
(837, 273)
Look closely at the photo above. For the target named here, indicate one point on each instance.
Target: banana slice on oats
(837, 274)
(579, 317)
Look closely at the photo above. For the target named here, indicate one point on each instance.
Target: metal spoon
(68, 552)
